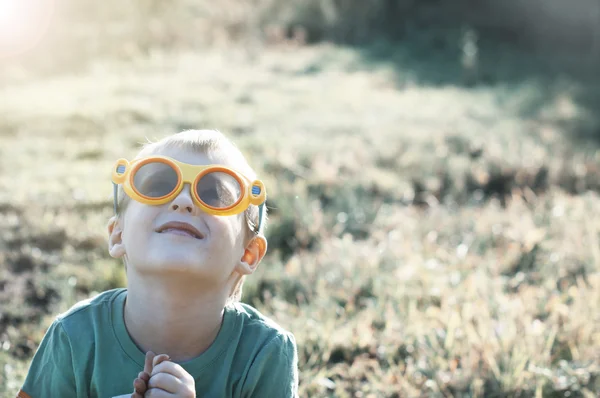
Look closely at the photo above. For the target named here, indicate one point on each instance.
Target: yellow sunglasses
(216, 189)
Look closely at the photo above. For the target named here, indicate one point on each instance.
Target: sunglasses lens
(155, 180)
(218, 189)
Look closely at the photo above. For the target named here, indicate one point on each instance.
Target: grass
(427, 238)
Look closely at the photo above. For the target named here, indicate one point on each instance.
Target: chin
(158, 260)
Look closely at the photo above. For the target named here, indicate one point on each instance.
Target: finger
(148, 363)
(140, 386)
(160, 358)
(171, 368)
(158, 393)
(166, 382)
(144, 376)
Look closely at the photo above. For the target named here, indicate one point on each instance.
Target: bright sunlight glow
(23, 23)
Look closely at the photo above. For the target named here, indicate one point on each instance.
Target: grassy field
(428, 237)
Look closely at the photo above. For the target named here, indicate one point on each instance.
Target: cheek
(138, 218)
(228, 230)
(239, 237)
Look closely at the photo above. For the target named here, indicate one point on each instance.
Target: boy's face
(216, 251)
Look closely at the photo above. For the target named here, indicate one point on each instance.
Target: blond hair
(214, 143)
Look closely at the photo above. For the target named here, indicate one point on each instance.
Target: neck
(169, 315)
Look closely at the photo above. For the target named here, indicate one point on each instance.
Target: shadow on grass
(459, 56)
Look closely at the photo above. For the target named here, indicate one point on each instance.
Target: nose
(184, 201)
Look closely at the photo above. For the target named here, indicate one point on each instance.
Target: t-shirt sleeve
(51, 370)
(274, 371)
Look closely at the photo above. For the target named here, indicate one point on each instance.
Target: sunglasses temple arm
(260, 216)
(115, 199)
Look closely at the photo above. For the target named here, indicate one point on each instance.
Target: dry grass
(426, 239)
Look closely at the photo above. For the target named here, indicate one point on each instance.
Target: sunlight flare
(23, 24)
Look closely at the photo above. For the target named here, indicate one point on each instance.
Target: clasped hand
(163, 378)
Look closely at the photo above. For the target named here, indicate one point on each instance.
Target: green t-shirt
(87, 352)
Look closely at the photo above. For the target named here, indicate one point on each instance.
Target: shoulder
(263, 331)
(253, 319)
(87, 311)
(272, 366)
(65, 358)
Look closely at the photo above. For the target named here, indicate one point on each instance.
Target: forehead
(200, 158)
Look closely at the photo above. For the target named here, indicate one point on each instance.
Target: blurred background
(432, 167)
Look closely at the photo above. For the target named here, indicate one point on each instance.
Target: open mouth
(180, 228)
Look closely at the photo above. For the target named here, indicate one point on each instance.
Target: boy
(189, 227)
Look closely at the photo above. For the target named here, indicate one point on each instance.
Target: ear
(253, 254)
(115, 241)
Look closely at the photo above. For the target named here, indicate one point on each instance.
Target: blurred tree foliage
(542, 24)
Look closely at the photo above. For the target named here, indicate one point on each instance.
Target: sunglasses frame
(251, 192)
